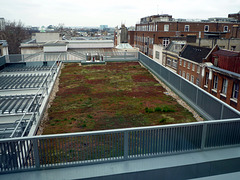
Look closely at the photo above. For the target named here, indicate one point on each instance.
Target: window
(224, 86)
(197, 82)
(233, 48)
(157, 55)
(207, 77)
(206, 28)
(193, 67)
(183, 74)
(189, 64)
(174, 64)
(165, 42)
(187, 76)
(184, 63)
(186, 28)
(166, 27)
(235, 90)
(192, 78)
(169, 61)
(215, 82)
(198, 69)
(180, 72)
(180, 62)
(225, 29)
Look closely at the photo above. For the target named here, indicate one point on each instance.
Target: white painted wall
(55, 48)
(158, 48)
(29, 50)
(90, 44)
(46, 37)
(5, 51)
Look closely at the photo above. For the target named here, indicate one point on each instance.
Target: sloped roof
(124, 46)
(171, 46)
(195, 53)
(226, 53)
(4, 43)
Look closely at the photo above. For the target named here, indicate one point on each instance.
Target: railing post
(196, 97)
(126, 145)
(204, 135)
(222, 108)
(36, 153)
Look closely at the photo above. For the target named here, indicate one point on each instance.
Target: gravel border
(52, 96)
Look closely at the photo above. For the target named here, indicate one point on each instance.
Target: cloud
(95, 12)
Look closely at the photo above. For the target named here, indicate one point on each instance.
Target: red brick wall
(218, 93)
(131, 40)
(190, 71)
(194, 28)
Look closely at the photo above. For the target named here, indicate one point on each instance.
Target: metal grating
(16, 104)
(21, 81)
(23, 67)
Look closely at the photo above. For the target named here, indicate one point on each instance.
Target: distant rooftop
(167, 17)
(3, 43)
(124, 46)
(227, 53)
(195, 53)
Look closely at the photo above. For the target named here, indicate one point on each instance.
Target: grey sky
(110, 12)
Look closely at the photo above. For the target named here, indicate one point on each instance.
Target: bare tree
(14, 33)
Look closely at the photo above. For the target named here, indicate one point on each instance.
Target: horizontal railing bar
(63, 135)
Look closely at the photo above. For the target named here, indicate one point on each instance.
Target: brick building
(192, 62)
(222, 77)
(161, 29)
(235, 16)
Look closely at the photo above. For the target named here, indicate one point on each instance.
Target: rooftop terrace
(195, 150)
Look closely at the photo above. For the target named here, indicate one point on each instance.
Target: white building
(3, 48)
(2, 24)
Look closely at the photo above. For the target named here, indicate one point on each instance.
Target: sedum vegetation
(116, 95)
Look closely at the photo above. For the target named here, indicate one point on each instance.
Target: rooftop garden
(115, 95)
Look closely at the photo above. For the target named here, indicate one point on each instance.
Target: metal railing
(68, 56)
(42, 152)
(203, 102)
(2, 60)
(23, 125)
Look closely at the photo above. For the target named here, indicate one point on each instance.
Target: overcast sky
(110, 12)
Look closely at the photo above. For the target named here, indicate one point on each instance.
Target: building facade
(163, 29)
(2, 24)
(192, 62)
(3, 48)
(171, 54)
(222, 77)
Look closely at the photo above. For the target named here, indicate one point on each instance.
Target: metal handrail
(41, 88)
(122, 130)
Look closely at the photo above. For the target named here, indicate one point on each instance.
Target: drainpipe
(229, 43)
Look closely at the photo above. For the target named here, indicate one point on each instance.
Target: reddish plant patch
(116, 95)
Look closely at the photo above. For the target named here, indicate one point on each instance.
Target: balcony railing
(67, 57)
(48, 151)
